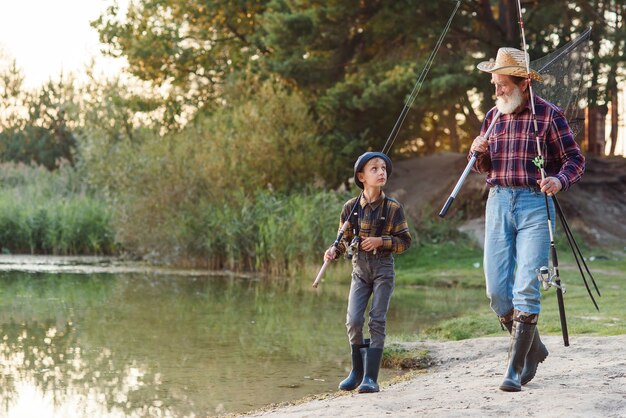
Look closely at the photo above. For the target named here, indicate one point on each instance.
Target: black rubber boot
(522, 335)
(356, 374)
(372, 366)
(537, 354)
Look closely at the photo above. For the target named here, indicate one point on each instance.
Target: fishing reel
(546, 277)
(353, 248)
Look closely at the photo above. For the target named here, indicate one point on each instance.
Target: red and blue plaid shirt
(512, 147)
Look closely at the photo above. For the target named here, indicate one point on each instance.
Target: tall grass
(267, 232)
(43, 212)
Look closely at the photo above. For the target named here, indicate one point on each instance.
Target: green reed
(284, 234)
(271, 233)
(43, 212)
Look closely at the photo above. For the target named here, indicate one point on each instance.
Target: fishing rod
(539, 161)
(468, 167)
(566, 50)
(578, 256)
(418, 85)
(395, 130)
(543, 272)
(342, 230)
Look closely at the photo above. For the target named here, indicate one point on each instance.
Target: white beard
(508, 104)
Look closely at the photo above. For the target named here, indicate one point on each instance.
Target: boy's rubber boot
(356, 374)
(372, 366)
(522, 336)
(537, 354)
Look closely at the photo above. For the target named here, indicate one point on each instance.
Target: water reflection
(158, 345)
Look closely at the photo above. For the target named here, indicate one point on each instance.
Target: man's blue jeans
(517, 242)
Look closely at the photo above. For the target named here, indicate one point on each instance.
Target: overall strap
(383, 218)
(354, 219)
(358, 213)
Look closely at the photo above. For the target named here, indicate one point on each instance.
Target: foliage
(170, 191)
(191, 47)
(397, 357)
(233, 99)
(51, 213)
(268, 233)
(33, 124)
(355, 61)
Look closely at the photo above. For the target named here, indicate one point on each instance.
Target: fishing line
(396, 129)
(418, 84)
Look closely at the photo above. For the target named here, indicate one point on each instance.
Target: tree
(34, 125)
(606, 17)
(617, 31)
(355, 61)
(189, 47)
(359, 60)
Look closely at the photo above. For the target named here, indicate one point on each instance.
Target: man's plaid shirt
(395, 233)
(512, 148)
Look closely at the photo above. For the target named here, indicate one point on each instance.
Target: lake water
(170, 344)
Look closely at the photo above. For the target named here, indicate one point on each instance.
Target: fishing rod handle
(468, 167)
(559, 298)
(343, 228)
(446, 206)
(559, 294)
(318, 279)
(458, 185)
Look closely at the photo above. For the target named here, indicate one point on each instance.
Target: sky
(47, 37)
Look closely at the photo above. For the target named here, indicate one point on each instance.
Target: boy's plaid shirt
(512, 148)
(395, 233)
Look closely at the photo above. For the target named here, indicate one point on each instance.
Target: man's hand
(371, 243)
(550, 185)
(479, 145)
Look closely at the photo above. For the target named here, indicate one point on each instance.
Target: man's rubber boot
(372, 366)
(356, 374)
(522, 336)
(537, 354)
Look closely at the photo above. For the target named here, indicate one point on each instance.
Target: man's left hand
(550, 185)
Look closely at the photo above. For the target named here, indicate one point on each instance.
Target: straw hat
(509, 61)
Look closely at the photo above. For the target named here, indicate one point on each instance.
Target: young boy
(377, 228)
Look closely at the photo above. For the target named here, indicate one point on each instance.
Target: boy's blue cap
(363, 159)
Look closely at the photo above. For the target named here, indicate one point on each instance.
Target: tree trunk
(596, 130)
(592, 113)
(614, 118)
(473, 121)
(509, 21)
(455, 143)
(613, 91)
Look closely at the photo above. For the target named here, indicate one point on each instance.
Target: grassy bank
(456, 264)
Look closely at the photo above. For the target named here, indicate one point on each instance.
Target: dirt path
(587, 379)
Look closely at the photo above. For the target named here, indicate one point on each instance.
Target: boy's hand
(330, 253)
(371, 243)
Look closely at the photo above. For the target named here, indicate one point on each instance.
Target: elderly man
(517, 240)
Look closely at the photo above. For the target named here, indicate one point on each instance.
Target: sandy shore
(586, 379)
